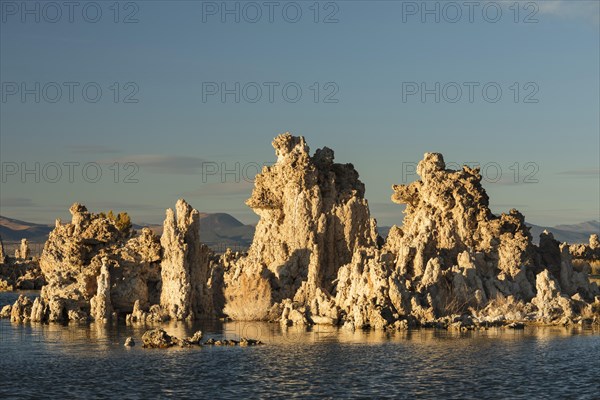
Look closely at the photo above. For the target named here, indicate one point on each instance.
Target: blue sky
(163, 123)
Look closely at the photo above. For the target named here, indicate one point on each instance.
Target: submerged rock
(230, 342)
(129, 342)
(250, 342)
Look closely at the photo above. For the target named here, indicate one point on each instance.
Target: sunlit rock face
(447, 213)
(2, 253)
(92, 251)
(101, 307)
(22, 252)
(97, 270)
(453, 256)
(450, 254)
(184, 266)
(316, 258)
(18, 273)
(313, 215)
(589, 252)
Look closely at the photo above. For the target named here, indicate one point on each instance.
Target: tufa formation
(316, 258)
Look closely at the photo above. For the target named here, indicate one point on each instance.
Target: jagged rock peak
(94, 258)
(2, 254)
(286, 145)
(184, 266)
(313, 215)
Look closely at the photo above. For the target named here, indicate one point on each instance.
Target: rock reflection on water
(89, 360)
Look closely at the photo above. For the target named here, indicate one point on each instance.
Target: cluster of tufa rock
(98, 270)
(23, 252)
(21, 272)
(160, 339)
(316, 258)
(318, 249)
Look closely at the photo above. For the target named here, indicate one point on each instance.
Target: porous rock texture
(98, 270)
(184, 266)
(94, 268)
(451, 262)
(587, 252)
(101, 306)
(316, 258)
(2, 253)
(23, 252)
(18, 273)
(159, 338)
(313, 215)
(453, 257)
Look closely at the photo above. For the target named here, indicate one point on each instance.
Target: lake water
(90, 361)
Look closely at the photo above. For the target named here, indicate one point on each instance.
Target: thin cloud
(508, 206)
(581, 173)
(17, 202)
(225, 189)
(586, 10)
(509, 181)
(92, 149)
(163, 164)
(120, 206)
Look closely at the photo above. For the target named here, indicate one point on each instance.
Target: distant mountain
(216, 229)
(575, 233)
(383, 231)
(221, 229)
(13, 230)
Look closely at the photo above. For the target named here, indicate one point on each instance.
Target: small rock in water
(196, 338)
(517, 325)
(129, 342)
(230, 342)
(5, 313)
(157, 338)
(249, 342)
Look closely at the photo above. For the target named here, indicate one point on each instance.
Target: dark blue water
(90, 361)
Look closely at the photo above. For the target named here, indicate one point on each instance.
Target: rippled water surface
(90, 361)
